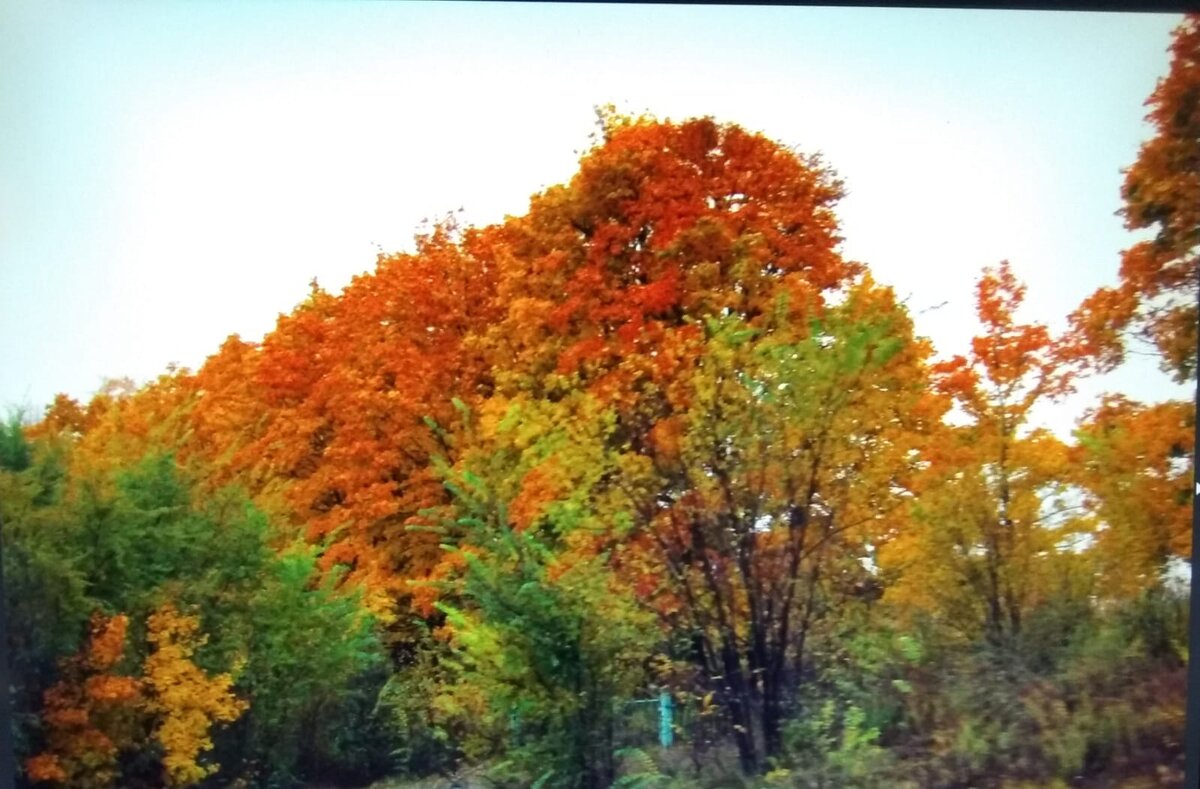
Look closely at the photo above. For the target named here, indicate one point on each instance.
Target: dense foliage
(654, 440)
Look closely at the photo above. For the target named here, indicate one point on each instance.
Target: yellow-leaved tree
(186, 700)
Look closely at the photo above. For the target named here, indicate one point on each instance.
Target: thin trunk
(772, 715)
(995, 616)
(739, 693)
(600, 769)
(740, 708)
(1007, 532)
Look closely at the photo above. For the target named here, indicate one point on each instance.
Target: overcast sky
(172, 173)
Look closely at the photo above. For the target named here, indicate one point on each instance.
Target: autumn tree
(325, 420)
(1155, 298)
(185, 700)
(228, 414)
(1134, 461)
(791, 448)
(124, 424)
(985, 524)
(614, 286)
(91, 714)
(761, 493)
(663, 220)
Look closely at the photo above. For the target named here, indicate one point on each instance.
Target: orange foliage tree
(91, 714)
(326, 420)
(981, 546)
(607, 291)
(1157, 292)
(663, 221)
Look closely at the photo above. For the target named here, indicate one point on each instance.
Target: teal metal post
(666, 728)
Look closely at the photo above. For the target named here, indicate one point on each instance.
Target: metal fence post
(666, 729)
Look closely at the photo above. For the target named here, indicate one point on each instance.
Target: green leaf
(743, 336)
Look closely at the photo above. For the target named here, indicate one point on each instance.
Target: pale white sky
(172, 173)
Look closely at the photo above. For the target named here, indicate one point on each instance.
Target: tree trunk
(740, 709)
(772, 715)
